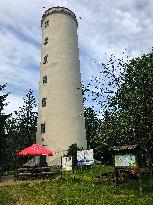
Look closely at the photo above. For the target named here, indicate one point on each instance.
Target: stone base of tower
(51, 160)
(61, 147)
(56, 159)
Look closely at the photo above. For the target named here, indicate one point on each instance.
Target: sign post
(126, 157)
(85, 158)
(66, 163)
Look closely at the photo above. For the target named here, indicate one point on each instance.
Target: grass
(85, 190)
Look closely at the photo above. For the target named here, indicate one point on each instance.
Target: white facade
(62, 114)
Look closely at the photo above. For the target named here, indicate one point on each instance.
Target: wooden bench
(24, 172)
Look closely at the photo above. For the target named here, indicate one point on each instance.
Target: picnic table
(24, 172)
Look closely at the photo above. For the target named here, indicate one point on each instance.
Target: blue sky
(105, 27)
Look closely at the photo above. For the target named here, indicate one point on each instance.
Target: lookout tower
(60, 113)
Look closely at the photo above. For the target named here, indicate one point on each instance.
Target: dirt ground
(7, 180)
(10, 180)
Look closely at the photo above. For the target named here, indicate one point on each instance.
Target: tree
(135, 98)
(126, 91)
(3, 117)
(72, 151)
(99, 93)
(20, 132)
(100, 89)
(12, 143)
(27, 121)
(130, 106)
(92, 126)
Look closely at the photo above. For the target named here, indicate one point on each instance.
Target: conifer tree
(3, 117)
(27, 121)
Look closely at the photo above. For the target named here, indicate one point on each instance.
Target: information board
(66, 163)
(127, 160)
(85, 157)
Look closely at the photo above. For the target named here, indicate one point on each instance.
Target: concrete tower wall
(63, 114)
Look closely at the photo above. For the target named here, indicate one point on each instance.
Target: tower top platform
(59, 9)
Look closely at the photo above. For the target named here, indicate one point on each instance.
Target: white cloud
(14, 55)
(14, 102)
(105, 27)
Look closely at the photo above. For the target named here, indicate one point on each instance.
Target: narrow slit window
(44, 102)
(45, 79)
(46, 23)
(43, 128)
(45, 59)
(46, 41)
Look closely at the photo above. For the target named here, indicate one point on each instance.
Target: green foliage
(3, 135)
(20, 132)
(92, 126)
(125, 97)
(72, 151)
(104, 139)
(3, 98)
(27, 121)
(96, 134)
(12, 143)
(134, 103)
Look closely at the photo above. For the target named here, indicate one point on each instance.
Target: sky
(106, 27)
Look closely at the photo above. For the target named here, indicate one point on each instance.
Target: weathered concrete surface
(63, 114)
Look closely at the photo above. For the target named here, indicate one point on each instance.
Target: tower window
(43, 128)
(45, 59)
(42, 139)
(46, 41)
(43, 102)
(45, 79)
(46, 23)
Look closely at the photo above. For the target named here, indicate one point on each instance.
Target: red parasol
(35, 150)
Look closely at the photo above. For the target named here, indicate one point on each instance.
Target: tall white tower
(60, 115)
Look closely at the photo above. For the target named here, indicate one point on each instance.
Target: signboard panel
(66, 163)
(127, 160)
(85, 157)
